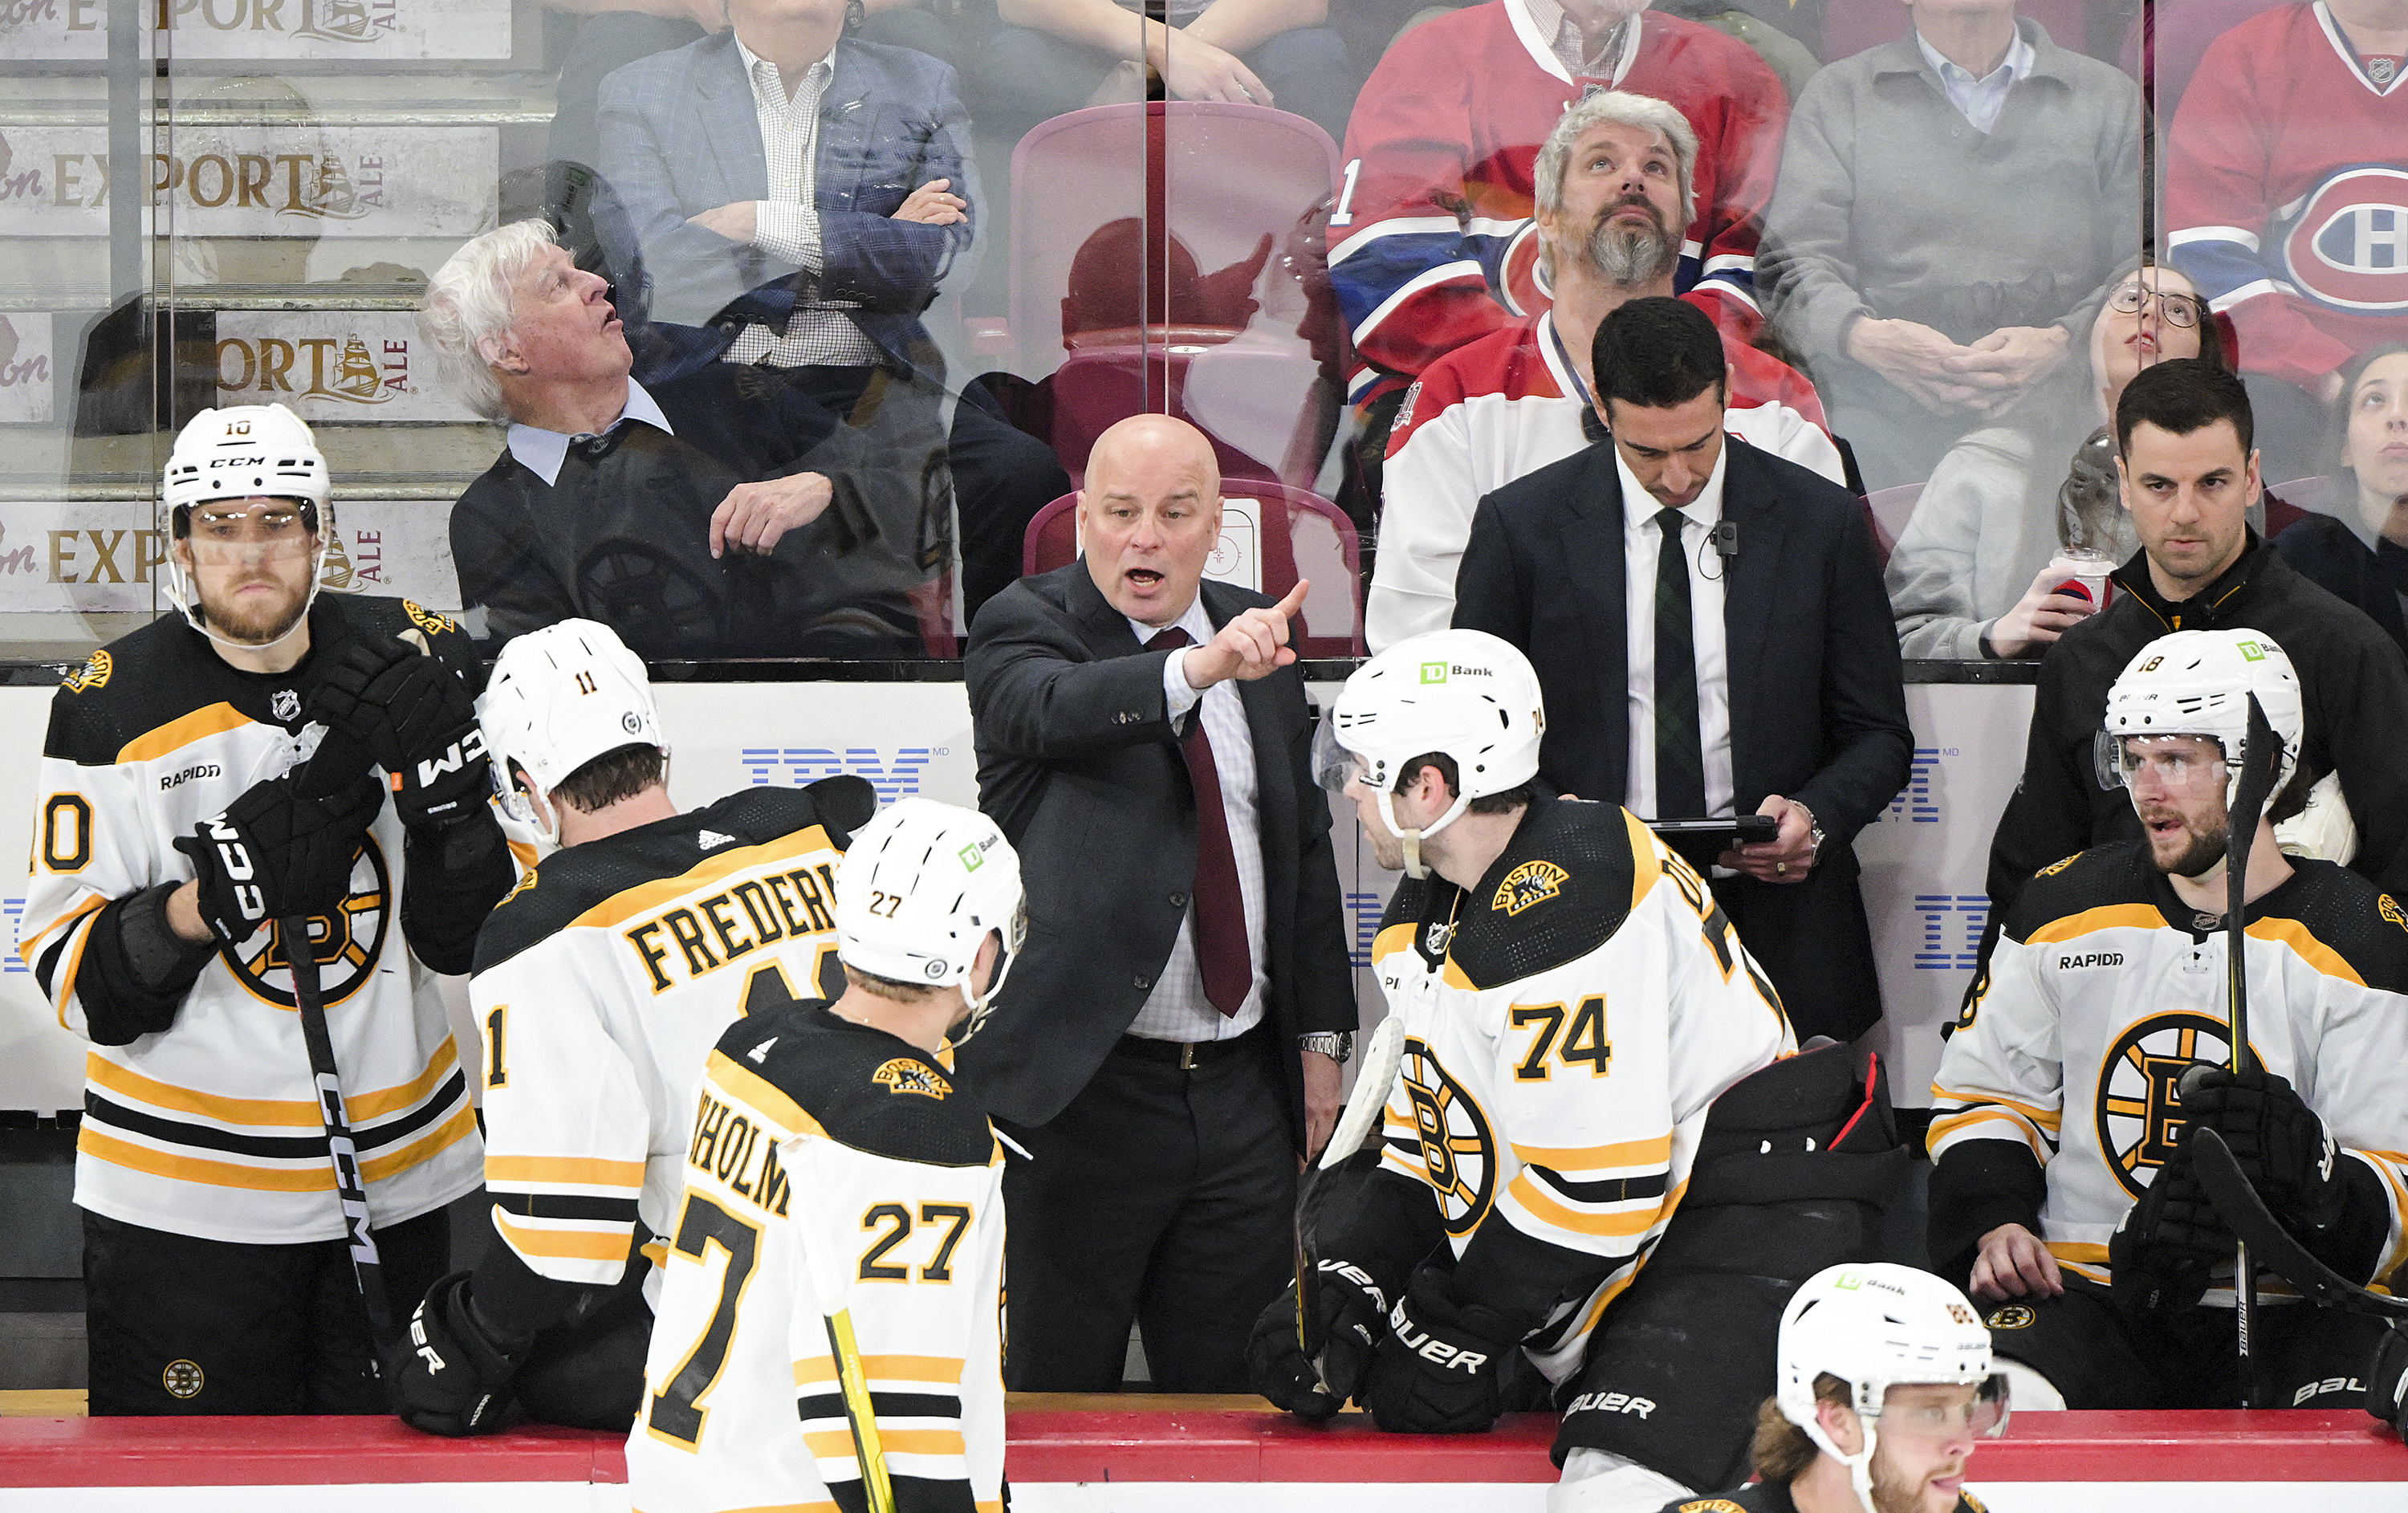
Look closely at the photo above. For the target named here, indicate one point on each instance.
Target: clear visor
(228, 531)
(1935, 1415)
(1333, 765)
(2178, 766)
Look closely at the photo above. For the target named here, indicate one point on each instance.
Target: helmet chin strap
(1860, 1465)
(1412, 839)
(181, 581)
(983, 1003)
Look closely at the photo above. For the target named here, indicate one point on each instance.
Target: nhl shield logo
(2347, 247)
(284, 705)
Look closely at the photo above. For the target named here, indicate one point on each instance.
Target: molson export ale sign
(338, 365)
(28, 372)
(263, 29)
(280, 181)
(110, 555)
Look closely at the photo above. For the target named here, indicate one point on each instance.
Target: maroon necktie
(1220, 948)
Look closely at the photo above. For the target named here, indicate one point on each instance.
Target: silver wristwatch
(1338, 1045)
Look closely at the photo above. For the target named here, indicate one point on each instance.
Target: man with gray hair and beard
(1614, 186)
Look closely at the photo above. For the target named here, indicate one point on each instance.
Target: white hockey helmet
(1877, 1326)
(1466, 694)
(558, 698)
(243, 452)
(2199, 683)
(921, 888)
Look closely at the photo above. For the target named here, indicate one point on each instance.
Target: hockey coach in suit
(1170, 1043)
(1748, 667)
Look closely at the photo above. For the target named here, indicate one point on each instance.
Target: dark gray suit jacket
(1079, 763)
(1818, 706)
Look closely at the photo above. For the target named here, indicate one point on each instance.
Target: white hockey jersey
(210, 1127)
(839, 1187)
(1566, 1026)
(603, 980)
(2103, 991)
(1505, 407)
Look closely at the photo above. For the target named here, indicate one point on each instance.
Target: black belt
(1188, 1055)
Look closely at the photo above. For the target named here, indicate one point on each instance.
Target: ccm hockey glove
(2168, 1243)
(271, 854)
(1349, 1319)
(2276, 1140)
(417, 719)
(1440, 1369)
(456, 1380)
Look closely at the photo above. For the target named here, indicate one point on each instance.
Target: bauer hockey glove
(271, 855)
(2276, 1140)
(1440, 1371)
(417, 719)
(456, 1380)
(2387, 1380)
(2168, 1243)
(1349, 1317)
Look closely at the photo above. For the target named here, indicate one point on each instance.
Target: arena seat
(1271, 535)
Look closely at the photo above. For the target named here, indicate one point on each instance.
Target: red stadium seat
(1297, 534)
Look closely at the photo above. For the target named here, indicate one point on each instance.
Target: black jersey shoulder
(1760, 1497)
(1562, 888)
(861, 1086)
(2345, 914)
(2101, 877)
(571, 881)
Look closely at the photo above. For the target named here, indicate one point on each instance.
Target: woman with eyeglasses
(1971, 576)
(2354, 542)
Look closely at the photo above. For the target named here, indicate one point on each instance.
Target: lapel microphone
(1726, 539)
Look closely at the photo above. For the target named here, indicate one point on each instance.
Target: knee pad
(1600, 1481)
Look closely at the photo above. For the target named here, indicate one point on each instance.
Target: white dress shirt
(1642, 541)
(1570, 47)
(1980, 100)
(542, 453)
(1177, 1009)
(787, 223)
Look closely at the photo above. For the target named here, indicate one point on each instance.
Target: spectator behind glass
(1952, 208)
(809, 194)
(2280, 205)
(1970, 577)
(1708, 626)
(2355, 538)
(1053, 56)
(1614, 187)
(726, 515)
(1431, 246)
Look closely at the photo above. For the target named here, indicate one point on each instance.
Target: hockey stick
(2246, 1215)
(1381, 1054)
(351, 1188)
(875, 1485)
(2257, 761)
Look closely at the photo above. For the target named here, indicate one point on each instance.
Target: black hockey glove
(2387, 1380)
(456, 1380)
(1440, 1369)
(417, 719)
(1349, 1319)
(271, 854)
(2168, 1243)
(2276, 1140)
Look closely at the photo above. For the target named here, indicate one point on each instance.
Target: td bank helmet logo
(1433, 672)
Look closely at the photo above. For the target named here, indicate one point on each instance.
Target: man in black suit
(1747, 664)
(1172, 1035)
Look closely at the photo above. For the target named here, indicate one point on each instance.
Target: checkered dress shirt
(787, 223)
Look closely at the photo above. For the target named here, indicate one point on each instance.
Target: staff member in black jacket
(1170, 1042)
(1710, 633)
(2188, 470)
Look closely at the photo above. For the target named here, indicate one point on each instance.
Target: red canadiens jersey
(1431, 245)
(2287, 192)
(1505, 407)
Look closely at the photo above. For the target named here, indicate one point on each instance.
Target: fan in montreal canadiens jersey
(601, 983)
(1592, 1062)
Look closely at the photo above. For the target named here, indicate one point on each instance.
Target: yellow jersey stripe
(743, 1085)
(1394, 938)
(2076, 1251)
(312, 1178)
(564, 1243)
(1645, 869)
(2314, 952)
(1614, 1289)
(177, 734)
(570, 1171)
(2047, 1119)
(2105, 916)
(1653, 1153)
(944, 1369)
(31, 946)
(837, 1444)
(1539, 1205)
(1941, 1128)
(620, 907)
(282, 1113)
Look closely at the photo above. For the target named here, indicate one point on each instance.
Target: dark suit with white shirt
(1159, 1192)
(1817, 709)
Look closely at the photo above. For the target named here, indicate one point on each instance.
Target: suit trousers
(1161, 1197)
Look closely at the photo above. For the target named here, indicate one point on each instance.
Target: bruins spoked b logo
(346, 943)
(1456, 1147)
(2140, 1116)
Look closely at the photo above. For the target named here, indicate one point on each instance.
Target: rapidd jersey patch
(1532, 883)
(904, 1074)
(2139, 1115)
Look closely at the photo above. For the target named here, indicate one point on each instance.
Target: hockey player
(1885, 1389)
(1588, 1049)
(830, 1326)
(2062, 1184)
(172, 839)
(601, 984)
